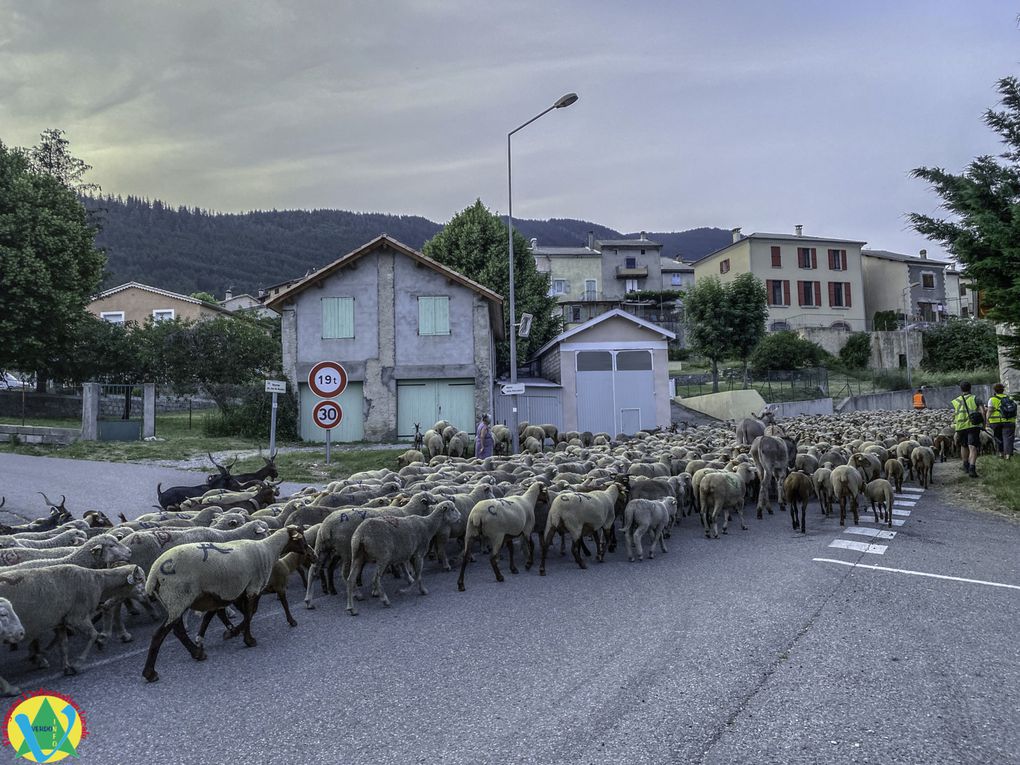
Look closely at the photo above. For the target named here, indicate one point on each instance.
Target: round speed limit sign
(327, 414)
(327, 379)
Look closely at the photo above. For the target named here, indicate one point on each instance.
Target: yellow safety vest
(994, 415)
(961, 413)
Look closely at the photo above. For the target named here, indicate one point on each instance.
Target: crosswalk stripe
(869, 518)
(867, 531)
(864, 547)
(914, 489)
(903, 502)
(897, 511)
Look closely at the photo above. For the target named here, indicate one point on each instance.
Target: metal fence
(774, 385)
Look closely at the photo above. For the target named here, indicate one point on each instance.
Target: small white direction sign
(276, 386)
(512, 389)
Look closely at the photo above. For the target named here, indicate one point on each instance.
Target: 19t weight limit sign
(327, 379)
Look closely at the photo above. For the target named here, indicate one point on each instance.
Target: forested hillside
(186, 250)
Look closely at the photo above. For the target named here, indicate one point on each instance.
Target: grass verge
(997, 489)
(309, 465)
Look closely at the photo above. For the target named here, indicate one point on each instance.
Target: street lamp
(563, 101)
(906, 339)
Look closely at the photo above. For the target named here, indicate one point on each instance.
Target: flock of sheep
(218, 551)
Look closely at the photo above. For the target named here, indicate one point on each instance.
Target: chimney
(591, 240)
(799, 229)
(534, 243)
(644, 236)
(923, 254)
(736, 234)
(229, 293)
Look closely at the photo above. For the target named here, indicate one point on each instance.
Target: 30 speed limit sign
(327, 379)
(327, 414)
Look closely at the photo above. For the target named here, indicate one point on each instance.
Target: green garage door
(353, 426)
(427, 401)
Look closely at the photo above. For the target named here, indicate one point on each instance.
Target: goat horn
(3, 501)
(212, 460)
(46, 499)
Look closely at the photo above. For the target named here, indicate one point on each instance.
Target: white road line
(869, 518)
(918, 573)
(897, 511)
(867, 531)
(913, 489)
(904, 503)
(864, 547)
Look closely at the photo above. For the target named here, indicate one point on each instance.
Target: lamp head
(566, 100)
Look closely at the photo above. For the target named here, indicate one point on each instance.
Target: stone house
(415, 337)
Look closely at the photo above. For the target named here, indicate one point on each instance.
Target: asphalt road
(755, 648)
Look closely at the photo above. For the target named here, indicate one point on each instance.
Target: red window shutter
(832, 294)
(800, 293)
(818, 294)
(831, 266)
(768, 291)
(777, 258)
(846, 295)
(842, 256)
(814, 258)
(786, 292)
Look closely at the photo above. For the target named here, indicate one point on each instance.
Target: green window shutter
(442, 315)
(337, 317)
(426, 316)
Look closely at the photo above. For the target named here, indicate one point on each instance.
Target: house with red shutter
(812, 281)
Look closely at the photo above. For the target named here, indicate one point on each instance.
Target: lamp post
(906, 339)
(561, 102)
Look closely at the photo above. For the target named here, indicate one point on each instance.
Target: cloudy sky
(726, 113)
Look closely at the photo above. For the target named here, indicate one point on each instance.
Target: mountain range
(187, 249)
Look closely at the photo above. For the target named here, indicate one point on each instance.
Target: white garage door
(615, 391)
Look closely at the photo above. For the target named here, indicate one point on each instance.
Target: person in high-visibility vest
(1001, 416)
(919, 402)
(968, 419)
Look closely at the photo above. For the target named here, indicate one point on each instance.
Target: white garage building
(613, 373)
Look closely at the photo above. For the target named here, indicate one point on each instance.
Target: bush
(788, 350)
(960, 344)
(857, 351)
(886, 321)
(891, 379)
(679, 354)
(249, 417)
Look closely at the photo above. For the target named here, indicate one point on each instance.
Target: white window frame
(110, 316)
(171, 317)
(591, 287)
(559, 287)
(677, 280)
(630, 285)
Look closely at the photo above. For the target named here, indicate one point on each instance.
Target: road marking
(864, 547)
(914, 489)
(918, 573)
(867, 531)
(867, 517)
(898, 511)
(904, 502)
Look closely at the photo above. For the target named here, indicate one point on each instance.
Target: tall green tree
(52, 156)
(709, 323)
(749, 310)
(49, 265)
(474, 243)
(983, 232)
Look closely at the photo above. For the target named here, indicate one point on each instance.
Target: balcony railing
(637, 272)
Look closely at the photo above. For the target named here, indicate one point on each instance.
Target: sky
(731, 113)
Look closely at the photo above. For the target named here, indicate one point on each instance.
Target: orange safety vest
(918, 401)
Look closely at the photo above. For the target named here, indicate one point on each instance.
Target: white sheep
(209, 576)
(396, 540)
(11, 632)
(60, 597)
(643, 515)
(718, 492)
(579, 514)
(67, 538)
(146, 546)
(498, 522)
(102, 551)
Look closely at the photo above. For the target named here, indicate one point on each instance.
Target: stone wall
(794, 408)
(39, 405)
(33, 435)
(937, 398)
(886, 347)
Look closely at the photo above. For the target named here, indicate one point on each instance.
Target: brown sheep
(798, 489)
(880, 493)
(923, 459)
(894, 472)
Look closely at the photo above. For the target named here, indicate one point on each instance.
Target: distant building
(246, 303)
(138, 303)
(811, 282)
(908, 285)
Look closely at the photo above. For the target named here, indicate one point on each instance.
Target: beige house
(811, 281)
(910, 285)
(137, 303)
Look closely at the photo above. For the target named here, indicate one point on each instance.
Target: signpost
(327, 379)
(275, 387)
(512, 389)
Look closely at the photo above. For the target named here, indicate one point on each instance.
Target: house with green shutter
(417, 340)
